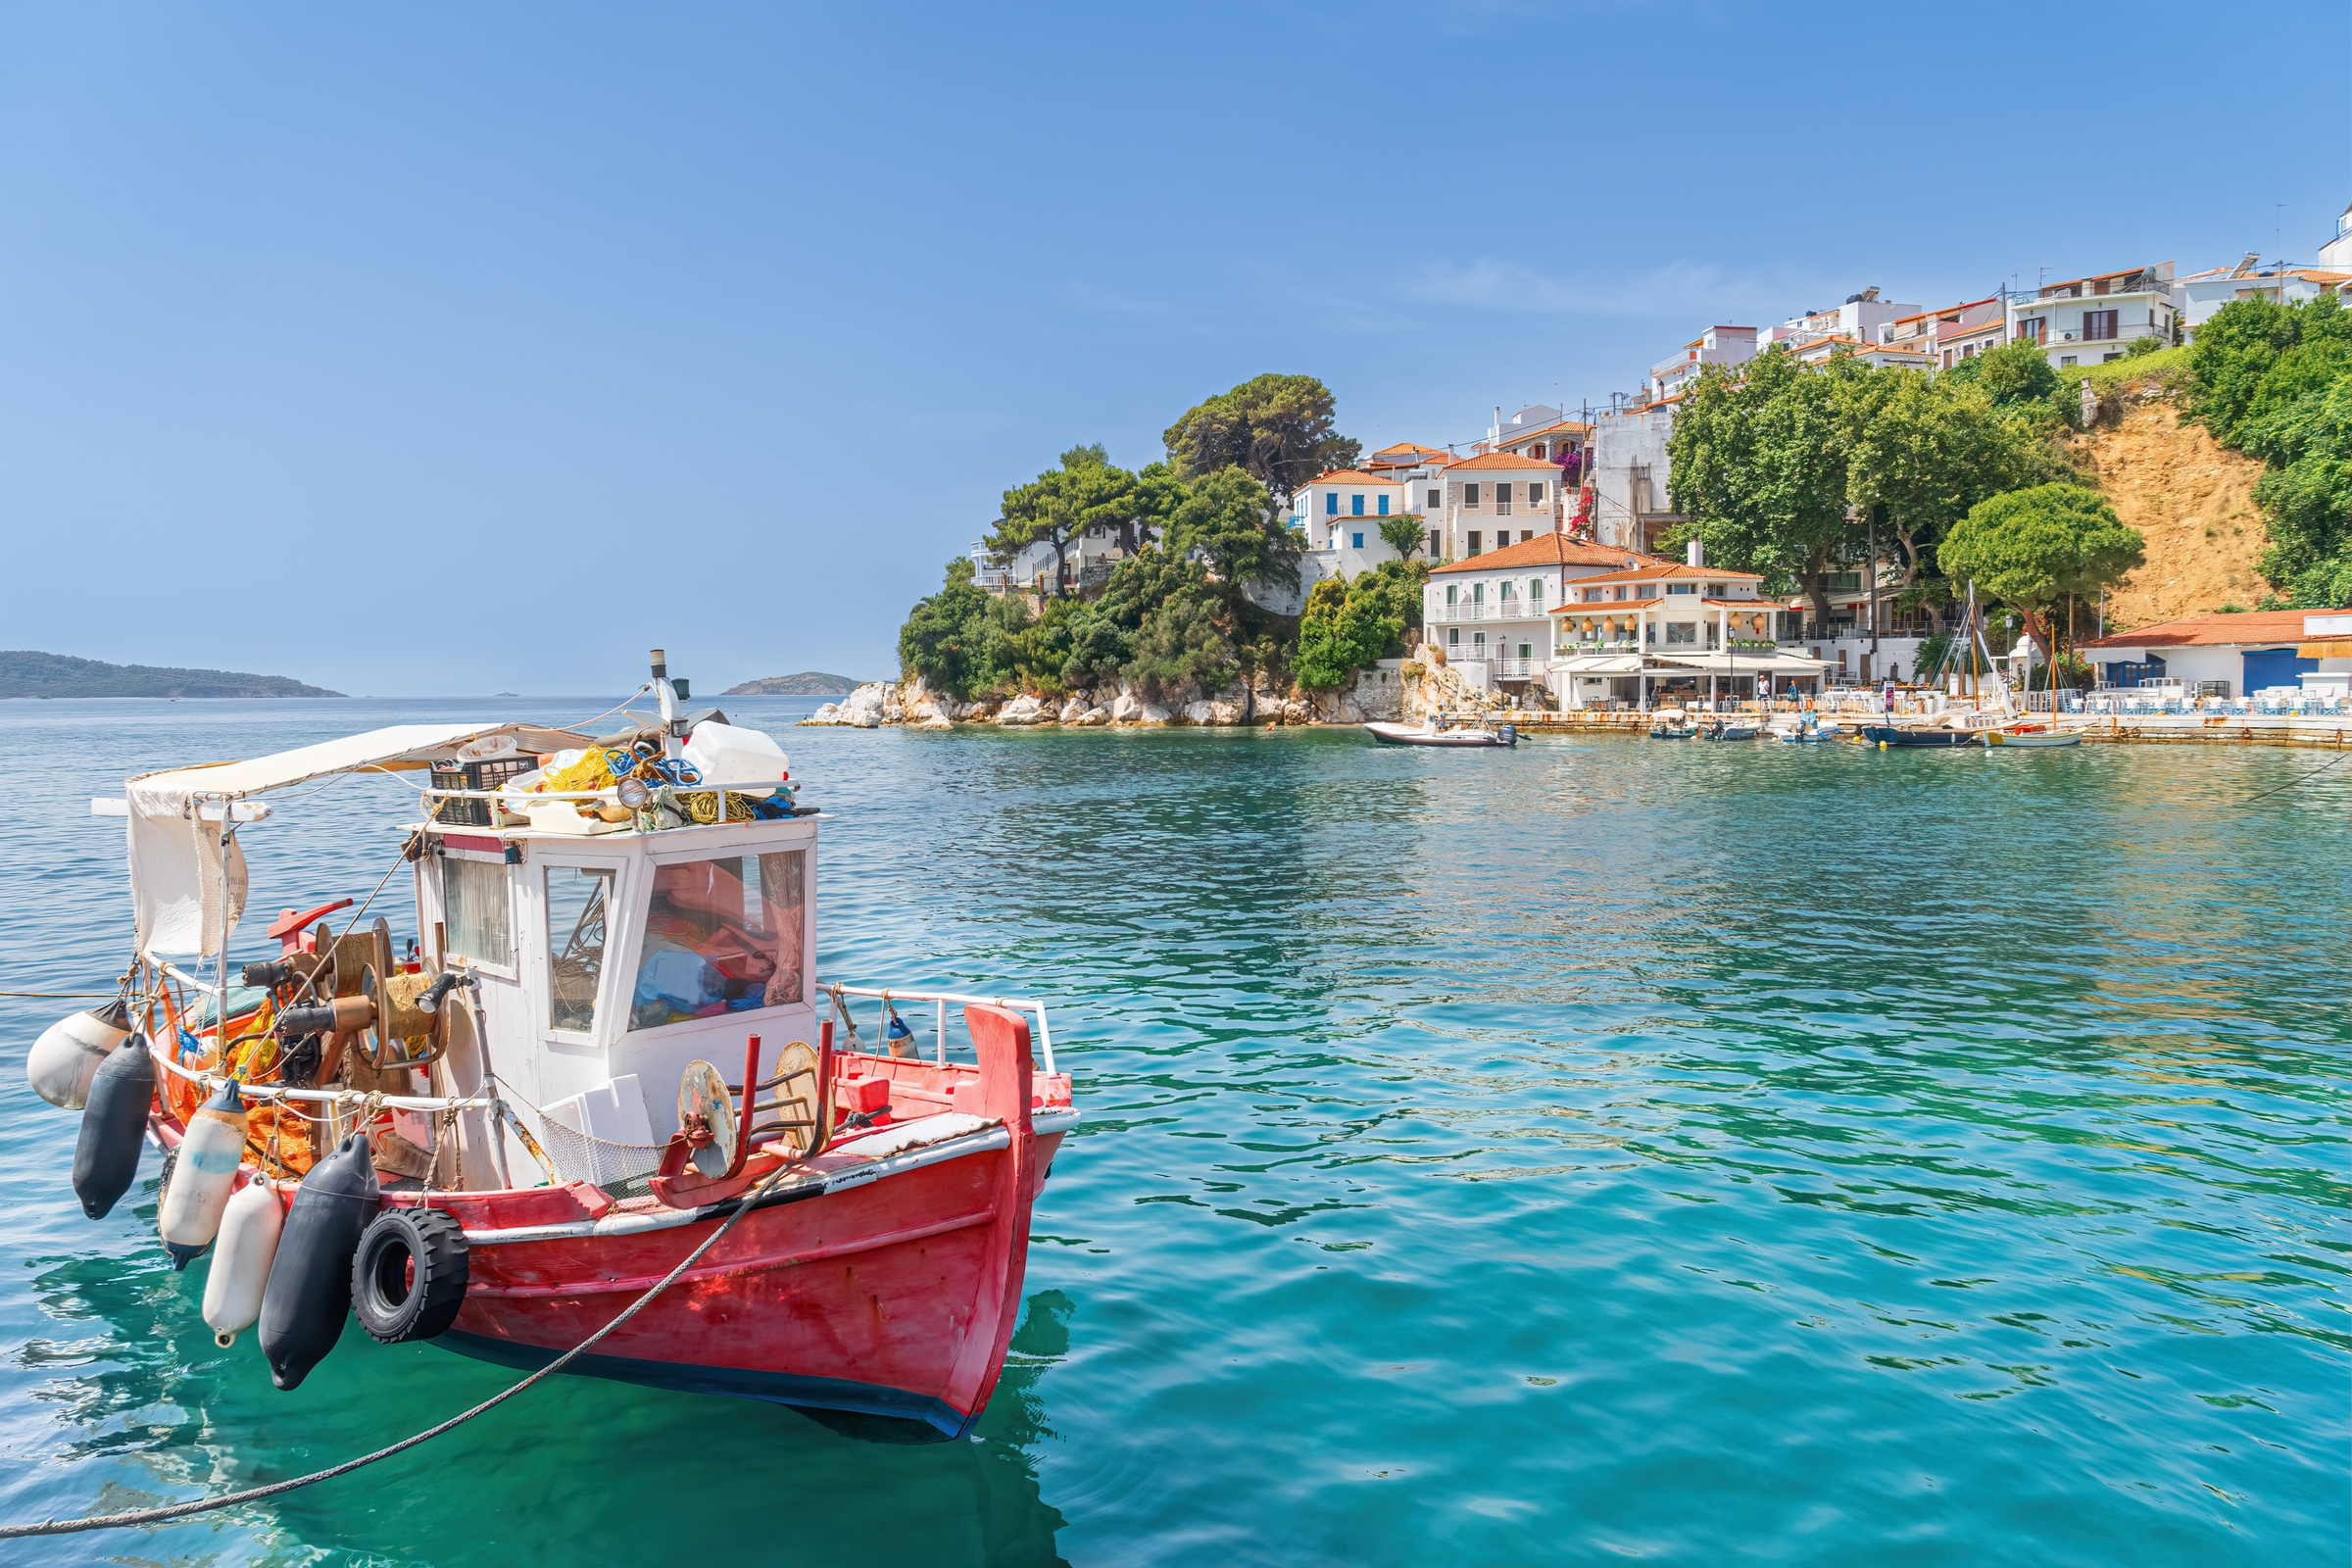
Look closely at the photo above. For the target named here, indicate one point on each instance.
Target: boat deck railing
(886, 997)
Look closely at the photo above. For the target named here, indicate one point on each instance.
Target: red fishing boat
(508, 1133)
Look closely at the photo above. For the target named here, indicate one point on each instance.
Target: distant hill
(26, 673)
(807, 683)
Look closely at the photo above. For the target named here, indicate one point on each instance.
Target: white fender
(204, 1175)
(64, 1061)
(240, 1268)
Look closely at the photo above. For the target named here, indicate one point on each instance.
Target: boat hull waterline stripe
(1046, 1124)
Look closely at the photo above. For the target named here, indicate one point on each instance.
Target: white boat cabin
(610, 963)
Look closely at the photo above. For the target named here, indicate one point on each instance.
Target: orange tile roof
(1563, 424)
(1545, 550)
(2254, 628)
(1499, 459)
(1606, 607)
(1407, 449)
(1349, 476)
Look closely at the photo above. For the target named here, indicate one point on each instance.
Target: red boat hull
(879, 1283)
(894, 1300)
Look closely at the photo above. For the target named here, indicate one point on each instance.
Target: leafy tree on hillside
(1229, 521)
(961, 639)
(2029, 549)
(2237, 351)
(1404, 534)
(1342, 632)
(1926, 450)
(1087, 491)
(2275, 382)
(1276, 427)
(1758, 463)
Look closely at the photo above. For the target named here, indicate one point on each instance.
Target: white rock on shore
(1024, 710)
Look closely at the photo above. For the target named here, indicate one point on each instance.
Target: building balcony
(1500, 609)
(1497, 666)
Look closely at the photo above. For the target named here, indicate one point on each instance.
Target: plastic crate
(476, 776)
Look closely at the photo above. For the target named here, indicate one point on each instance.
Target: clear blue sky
(445, 349)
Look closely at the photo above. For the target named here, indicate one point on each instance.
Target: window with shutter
(1436, 501)
(1469, 495)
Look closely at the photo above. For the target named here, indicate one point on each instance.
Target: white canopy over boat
(179, 868)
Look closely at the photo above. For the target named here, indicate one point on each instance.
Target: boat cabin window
(577, 898)
(722, 936)
(473, 911)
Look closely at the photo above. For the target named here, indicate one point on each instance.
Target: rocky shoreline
(1397, 690)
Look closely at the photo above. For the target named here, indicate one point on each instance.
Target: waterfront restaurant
(2230, 654)
(1669, 631)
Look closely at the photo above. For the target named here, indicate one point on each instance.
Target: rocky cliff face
(2193, 501)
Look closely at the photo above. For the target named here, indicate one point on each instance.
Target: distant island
(807, 683)
(24, 673)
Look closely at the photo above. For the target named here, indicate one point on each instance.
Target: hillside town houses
(1543, 538)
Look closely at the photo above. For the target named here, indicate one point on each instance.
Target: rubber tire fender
(396, 1302)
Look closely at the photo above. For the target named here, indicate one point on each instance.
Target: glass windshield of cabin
(575, 936)
(473, 911)
(722, 936)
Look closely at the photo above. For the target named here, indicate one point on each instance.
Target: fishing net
(622, 1170)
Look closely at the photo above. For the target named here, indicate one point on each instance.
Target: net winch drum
(308, 1294)
(706, 1116)
(64, 1061)
(114, 1124)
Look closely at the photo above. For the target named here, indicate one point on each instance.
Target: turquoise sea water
(1604, 1149)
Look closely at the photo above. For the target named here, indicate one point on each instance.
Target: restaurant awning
(1721, 662)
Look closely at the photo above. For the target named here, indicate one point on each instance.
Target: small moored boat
(1439, 732)
(1931, 735)
(506, 1134)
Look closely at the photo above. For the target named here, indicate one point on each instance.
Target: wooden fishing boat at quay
(505, 1136)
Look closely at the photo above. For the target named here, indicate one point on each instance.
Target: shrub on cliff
(1344, 630)
(2275, 382)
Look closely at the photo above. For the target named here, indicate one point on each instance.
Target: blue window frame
(1384, 506)
(1355, 506)
(1360, 541)
(1331, 504)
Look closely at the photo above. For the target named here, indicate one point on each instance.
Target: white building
(1491, 613)
(1859, 318)
(1340, 513)
(1717, 345)
(1949, 335)
(1664, 628)
(1087, 563)
(1555, 443)
(2232, 655)
(2085, 321)
(1820, 350)
(2201, 294)
(2336, 255)
(1630, 505)
(1492, 500)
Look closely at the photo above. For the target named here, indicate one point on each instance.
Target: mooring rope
(181, 1510)
(2292, 782)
